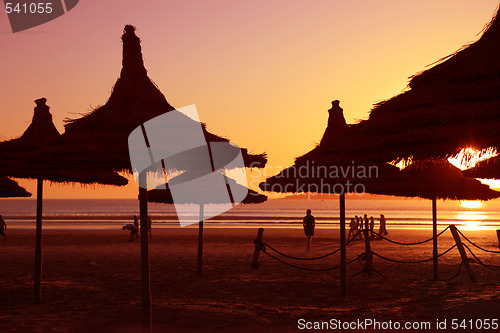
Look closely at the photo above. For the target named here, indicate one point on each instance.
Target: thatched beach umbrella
(100, 138)
(15, 161)
(435, 180)
(204, 197)
(489, 169)
(320, 172)
(453, 105)
(10, 189)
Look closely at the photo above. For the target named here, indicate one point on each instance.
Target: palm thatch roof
(320, 171)
(453, 105)
(20, 157)
(10, 189)
(40, 132)
(439, 180)
(489, 168)
(100, 138)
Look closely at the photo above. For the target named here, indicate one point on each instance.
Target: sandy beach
(91, 282)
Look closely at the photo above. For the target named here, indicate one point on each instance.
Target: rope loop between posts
(408, 244)
(412, 262)
(477, 260)
(311, 269)
(474, 244)
(302, 258)
(454, 276)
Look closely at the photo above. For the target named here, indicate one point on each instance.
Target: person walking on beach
(372, 226)
(382, 231)
(134, 231)
(309, 224)
(352, 228)
(3, 227)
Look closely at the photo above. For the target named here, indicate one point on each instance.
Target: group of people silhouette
(134, 229)
(356, 227)
(358, 224)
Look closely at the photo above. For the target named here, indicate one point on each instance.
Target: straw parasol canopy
(10, 189)
(439, 180)
(321, 171)
(489, 168)
(21, 157)
(453, 105)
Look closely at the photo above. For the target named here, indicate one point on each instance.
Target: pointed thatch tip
(41, 102)
(129, 29)
(132, 54)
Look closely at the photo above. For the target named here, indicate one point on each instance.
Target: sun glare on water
(471, 204)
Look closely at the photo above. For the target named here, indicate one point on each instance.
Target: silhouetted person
(3, 227)
(372, 226)
(361, 226)
(309, 224)
(353, 226)
(382, 231)
(134, 231)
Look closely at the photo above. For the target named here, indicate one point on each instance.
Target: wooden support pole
(461, 250)
(256, 252)
(145, 270)
(343, 251)
(368, 250)
(200, 242)
(38, 243)
(498, 236)
(435, 266)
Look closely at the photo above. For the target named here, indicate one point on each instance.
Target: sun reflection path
(472, 219)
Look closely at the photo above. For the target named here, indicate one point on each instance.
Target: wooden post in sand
(368, 250)
(435, 265)
(343, 265)
(461, 250)
(256, 252)
(200, 241)
(38, 243)
(147, 319)
(498, 236)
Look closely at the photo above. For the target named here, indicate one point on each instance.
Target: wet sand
(91, 282)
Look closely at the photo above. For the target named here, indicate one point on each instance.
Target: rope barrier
(454, 276)
(302, 258)
(416, 243)
(312, 269)
(413, 262)
(479, 247)
(491, 267)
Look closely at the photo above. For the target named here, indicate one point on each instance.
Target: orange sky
(261, 73)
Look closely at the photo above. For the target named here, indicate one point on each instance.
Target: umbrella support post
(368, 250)
(343, 265)
(200, 241)
(146, 285)
(258, 247)
(435, 267)
(38, 243)
(463, 255)
(498, 236)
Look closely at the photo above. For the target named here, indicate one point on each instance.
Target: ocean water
(113, 213)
